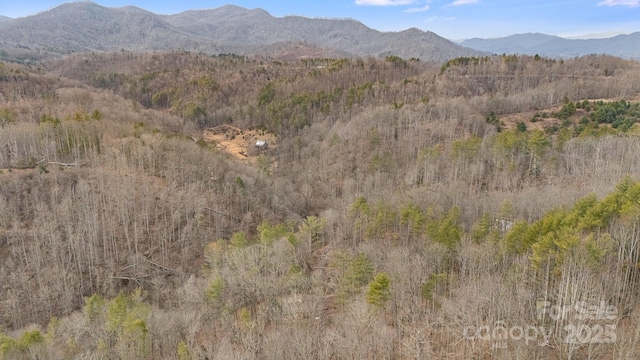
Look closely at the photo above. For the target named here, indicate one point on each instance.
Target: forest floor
(238, 142)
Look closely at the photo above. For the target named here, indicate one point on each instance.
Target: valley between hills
(475, 207)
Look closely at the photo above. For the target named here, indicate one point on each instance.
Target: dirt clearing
(238, 142)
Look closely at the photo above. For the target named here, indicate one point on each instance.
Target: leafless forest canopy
(402, 204)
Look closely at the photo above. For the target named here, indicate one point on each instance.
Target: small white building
(261, 145)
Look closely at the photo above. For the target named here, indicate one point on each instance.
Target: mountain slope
(626, 46)
(126, 233)
(88, 27)
(233, 24)
(85, 26)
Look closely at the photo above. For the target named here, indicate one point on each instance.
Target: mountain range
(625, 46)
(89, 27)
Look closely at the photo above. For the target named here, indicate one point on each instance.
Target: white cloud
(417, 9)
(467, 2)
(384, 2)
(438, 19)
(630, 3)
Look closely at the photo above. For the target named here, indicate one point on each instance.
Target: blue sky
(453, 19)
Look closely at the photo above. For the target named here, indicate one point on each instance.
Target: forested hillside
(85, 26)
(403, 210)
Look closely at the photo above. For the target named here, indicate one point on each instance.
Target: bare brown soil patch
(239, 142)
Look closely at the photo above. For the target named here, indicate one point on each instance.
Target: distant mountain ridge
(602, 35)
(624, 46)
(86, 27)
